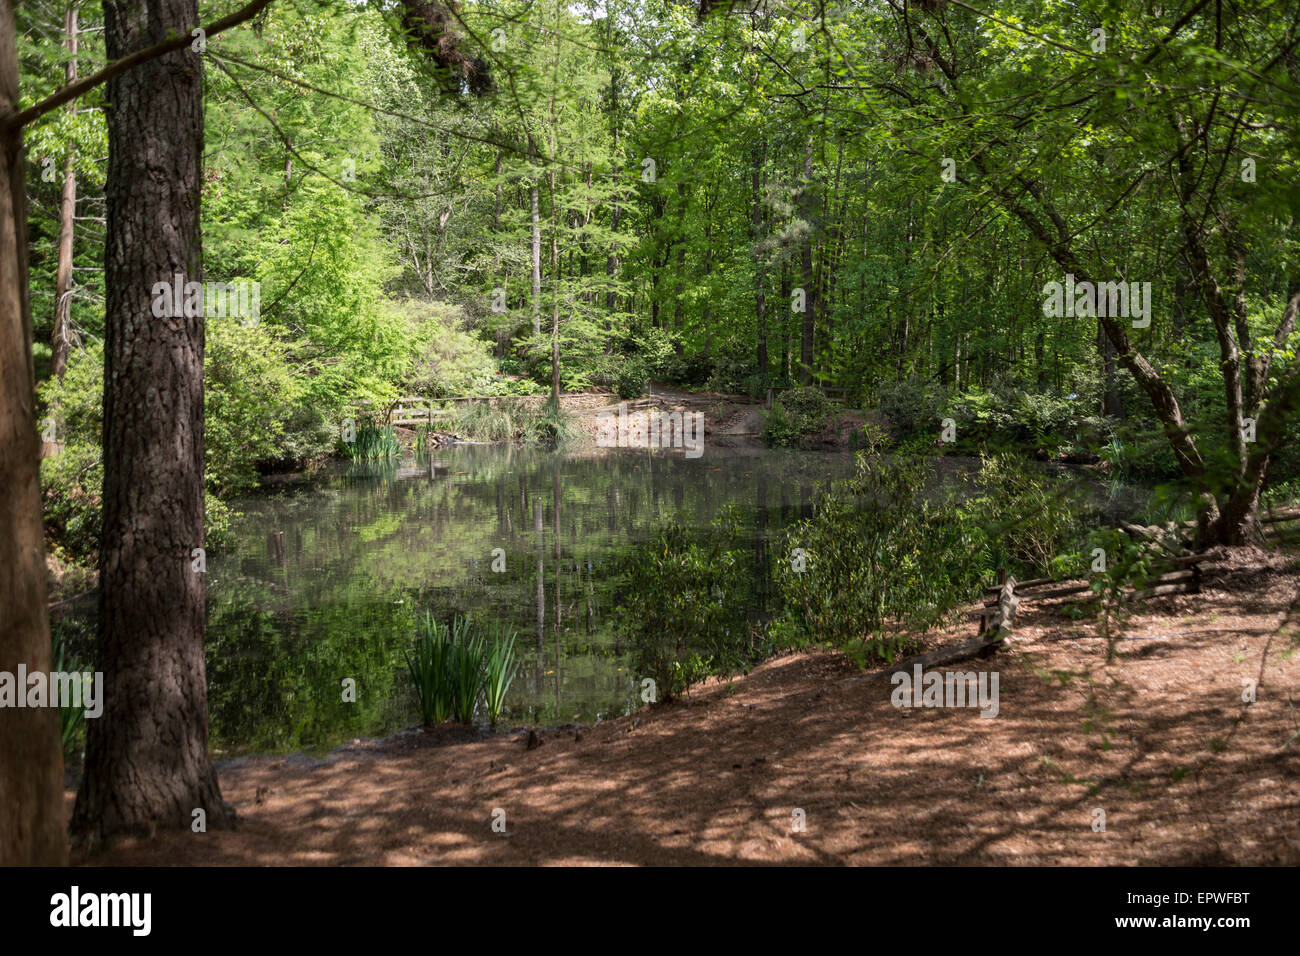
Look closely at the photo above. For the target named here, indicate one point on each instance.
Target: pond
(326, 578)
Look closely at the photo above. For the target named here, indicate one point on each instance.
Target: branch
(73, 90)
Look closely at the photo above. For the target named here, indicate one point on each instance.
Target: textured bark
(808, 326)
(147, 763)
(758, 226)
(537, 262)
(31, 758)
(67, 218)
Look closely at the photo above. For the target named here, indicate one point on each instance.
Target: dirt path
(1160, 740)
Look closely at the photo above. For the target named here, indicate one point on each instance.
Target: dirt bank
(1186, 772)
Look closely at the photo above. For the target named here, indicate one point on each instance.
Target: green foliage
(533, 422)
(632, 380)
(250, 393)
(1028, 519)
(499, 670)
(885, 555)
(431, 665)
(467, 669)
(71, 481)
(655, 348)
(373, 440)
(686, 612)
(1129, 564)
(796, 416)
(453, 667)
(71, 719)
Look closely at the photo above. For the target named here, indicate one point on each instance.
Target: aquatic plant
(429, 664)
(466, 670)
(453, 667)
(373, 441)
(499, 671)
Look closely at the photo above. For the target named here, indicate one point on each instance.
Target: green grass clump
(373, 441)
(453, 667)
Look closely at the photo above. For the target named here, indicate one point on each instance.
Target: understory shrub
(686, 611)
(632, 379)
(882, 558)
(1032, 523)
(796, 416)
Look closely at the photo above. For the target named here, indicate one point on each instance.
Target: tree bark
(67, 218)
(760, 271)
(147, 762)
(537, 262)
(31, 757)
(809, 324)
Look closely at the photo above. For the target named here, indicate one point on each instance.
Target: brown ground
(1186, 772)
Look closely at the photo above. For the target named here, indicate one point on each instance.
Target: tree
(30, 754)
(31, 759)
(147, 763)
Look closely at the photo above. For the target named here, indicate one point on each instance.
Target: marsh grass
(453, 667)
(499, 670)
(517, 421)
(373, 441)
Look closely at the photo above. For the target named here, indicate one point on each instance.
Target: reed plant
(373, 441)
(499, 670)
(429, 663)
(454, 667)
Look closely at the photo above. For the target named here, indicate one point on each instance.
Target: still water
(325, 579)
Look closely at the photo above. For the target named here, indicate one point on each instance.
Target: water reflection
(327, 578)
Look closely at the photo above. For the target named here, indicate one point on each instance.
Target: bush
(910, 406)
(1030, 522)
(690, 370)
(655, 348)
(734, 369)
(686, 613)
(250, 398)
(796, 416)
(632, 380)
(879, 559)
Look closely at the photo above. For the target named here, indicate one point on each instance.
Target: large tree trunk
(31, 759)
(147, 762)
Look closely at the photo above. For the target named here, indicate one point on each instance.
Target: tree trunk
(147, 763)
(537, 263)
(760, 272)
(809, 324)
(555, 296)
(31, 757)
(67, 218)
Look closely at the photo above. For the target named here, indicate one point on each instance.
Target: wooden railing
(419, 409)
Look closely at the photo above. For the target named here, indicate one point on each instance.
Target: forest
(311, 309)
